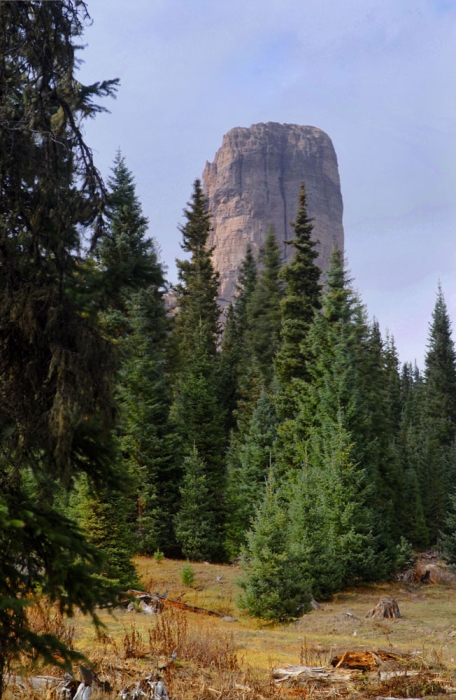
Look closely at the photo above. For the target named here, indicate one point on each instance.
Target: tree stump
(386, 608)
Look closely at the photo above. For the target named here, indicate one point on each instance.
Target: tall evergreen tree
(274, 585)
(301, 276)
(196, 527)
(263, 309)
(146, 435)
(250, 459)
(235, 357)
(438, 420)
(135, 318)
(338, 390)
(56, 367)
(197, 290)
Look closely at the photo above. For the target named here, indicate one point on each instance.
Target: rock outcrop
(254, 182)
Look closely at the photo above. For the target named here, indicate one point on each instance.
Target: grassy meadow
(218, 658)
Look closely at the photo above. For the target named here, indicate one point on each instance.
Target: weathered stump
(386, 608)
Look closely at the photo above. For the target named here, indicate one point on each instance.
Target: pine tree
(56, 367)
(301, 300)
(196, 527)
(274, 584)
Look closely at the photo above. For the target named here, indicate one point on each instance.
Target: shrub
(187, 575)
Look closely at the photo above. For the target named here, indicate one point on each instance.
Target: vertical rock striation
(254, 182)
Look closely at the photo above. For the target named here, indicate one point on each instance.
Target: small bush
(187, 575)
(158, 556)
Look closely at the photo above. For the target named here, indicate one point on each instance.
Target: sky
(378, 76)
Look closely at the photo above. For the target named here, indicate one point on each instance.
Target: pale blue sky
(379, 76)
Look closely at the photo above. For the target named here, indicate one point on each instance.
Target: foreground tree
(274, 585)
(55, 366)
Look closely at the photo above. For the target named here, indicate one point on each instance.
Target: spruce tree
(197, 290)
(263, 309)
(274, 584)
(200, 425)
(197, 409)
(338, 390)
(56, 367)
(301, 276)
(438, 420)
(195, 523)
(249, 460)
(331, 524)
(235, 356)
(134, 316)
(146, 435)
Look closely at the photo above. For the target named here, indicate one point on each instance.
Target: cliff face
(254, 182)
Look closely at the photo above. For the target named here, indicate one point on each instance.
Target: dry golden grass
(234, 659)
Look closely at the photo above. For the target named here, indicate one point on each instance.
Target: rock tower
(254, 182)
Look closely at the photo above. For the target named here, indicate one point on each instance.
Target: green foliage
(104, 518)
(331, 522)
(235, 355)
(197, 289)
(449, 537)
(263, 309)
(274, 584)
(249, 461)
(195, 524)
(188, 575)
(406, 557)
(158, 556)
(56, 366)
(302, 298)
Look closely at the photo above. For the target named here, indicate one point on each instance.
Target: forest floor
(234, 659)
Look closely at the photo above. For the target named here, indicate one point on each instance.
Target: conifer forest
(137, 418)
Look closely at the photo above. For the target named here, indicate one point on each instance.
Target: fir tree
(196, 528)
(301, 300)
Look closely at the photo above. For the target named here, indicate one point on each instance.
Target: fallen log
(366, 660)
(302, 675)
(179, 605)
(160, 602)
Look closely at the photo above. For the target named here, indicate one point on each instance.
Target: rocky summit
(254, 182)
